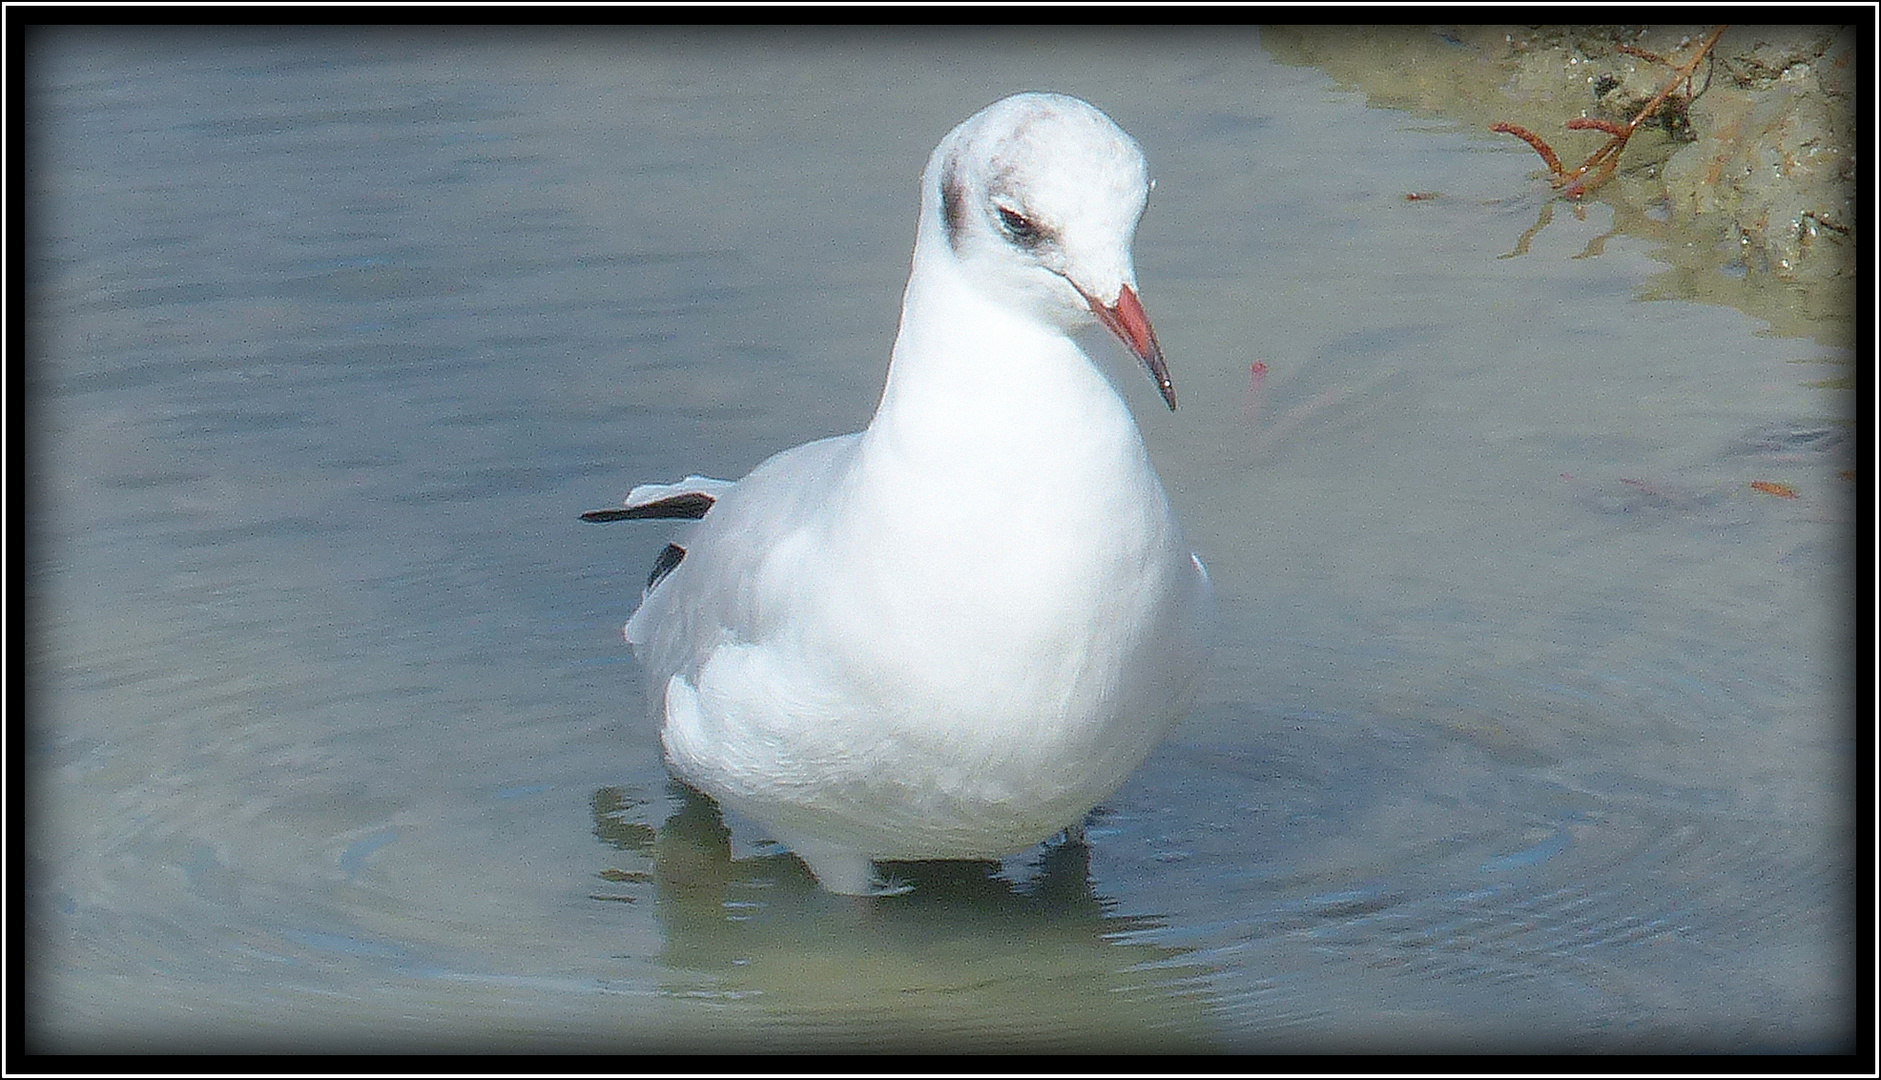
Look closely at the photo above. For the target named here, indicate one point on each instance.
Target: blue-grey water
(1529, 726)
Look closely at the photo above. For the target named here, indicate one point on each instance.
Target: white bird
(951, 634)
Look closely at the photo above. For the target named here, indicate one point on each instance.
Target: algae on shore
(1750, 195)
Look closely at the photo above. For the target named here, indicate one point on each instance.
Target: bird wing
(724, 580)
(718, 633)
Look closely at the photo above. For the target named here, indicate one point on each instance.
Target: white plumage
(951, 634)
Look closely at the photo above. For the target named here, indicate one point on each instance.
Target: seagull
(951, 634)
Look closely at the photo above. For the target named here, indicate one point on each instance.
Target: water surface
(1528, 727)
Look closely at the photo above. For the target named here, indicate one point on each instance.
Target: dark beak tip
(1131, 326)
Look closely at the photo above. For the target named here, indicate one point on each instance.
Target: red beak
(1132, 327)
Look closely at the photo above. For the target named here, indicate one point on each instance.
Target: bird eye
(1021, 228)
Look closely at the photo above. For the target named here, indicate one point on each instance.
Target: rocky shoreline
(1748, 187)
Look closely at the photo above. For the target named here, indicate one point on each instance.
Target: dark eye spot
(953, 203)
(1024, 231)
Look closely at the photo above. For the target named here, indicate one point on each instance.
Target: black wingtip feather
(692, 504)
(663, 565)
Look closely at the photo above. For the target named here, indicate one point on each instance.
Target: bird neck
(999, 462)
(976, 383)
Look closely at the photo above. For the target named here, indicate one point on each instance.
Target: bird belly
(934, 737)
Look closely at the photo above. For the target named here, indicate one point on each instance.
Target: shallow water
(1528, 726)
